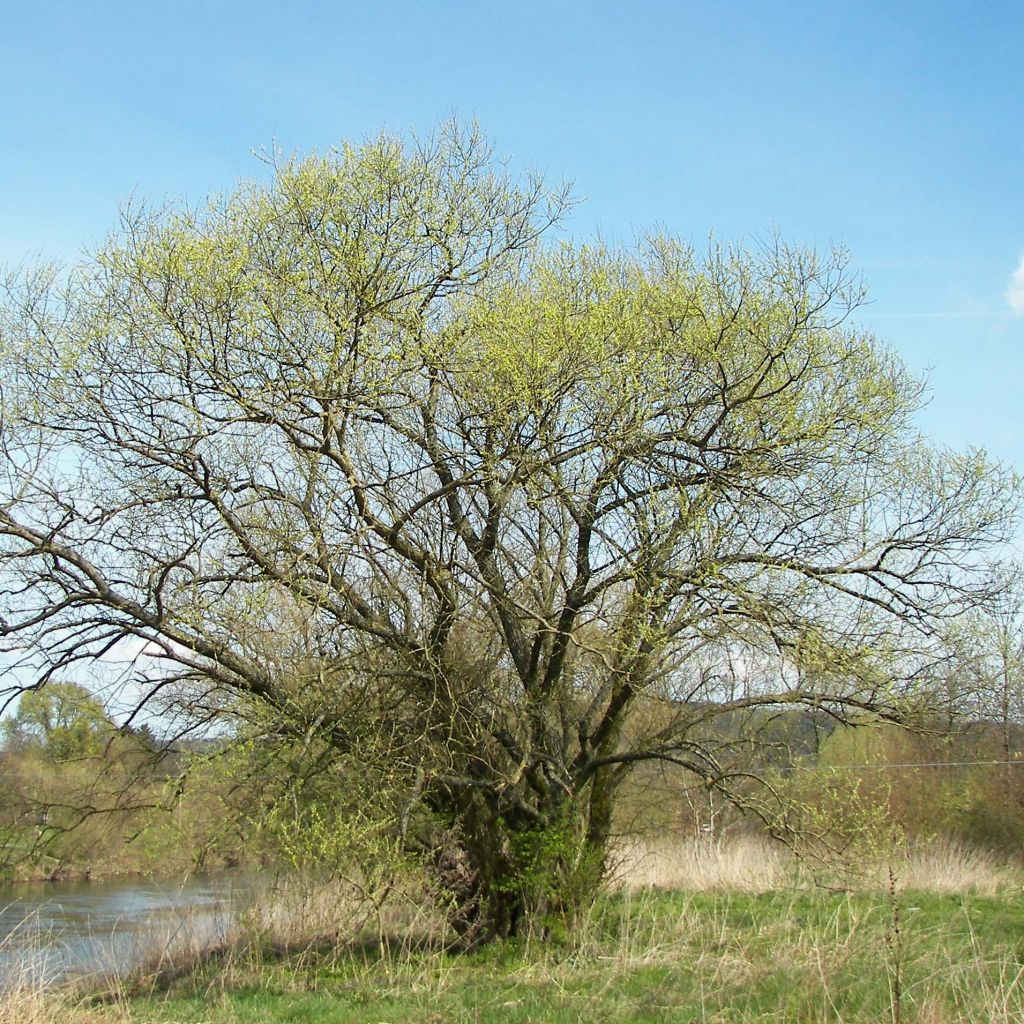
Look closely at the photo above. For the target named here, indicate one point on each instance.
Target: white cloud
(1015, 292)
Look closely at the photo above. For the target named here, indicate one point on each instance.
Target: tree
(53, 754)
(492, 519)
(63, 720)
(985, 671)
(996, 635)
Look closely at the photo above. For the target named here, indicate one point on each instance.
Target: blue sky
(894, 129)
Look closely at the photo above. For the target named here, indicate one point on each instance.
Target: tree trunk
(508, 875)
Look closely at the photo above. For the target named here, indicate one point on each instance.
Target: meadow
(689, 931)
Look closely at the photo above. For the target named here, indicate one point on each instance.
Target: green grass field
(799, 957)
(789, 954)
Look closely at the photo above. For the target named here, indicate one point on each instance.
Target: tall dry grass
(302, 910)
(748, 864)
(28, 1001)
(24, 998)
(753, 864)
(26, 975)
(29, 995)
(947, 866)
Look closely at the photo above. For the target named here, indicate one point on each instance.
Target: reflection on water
(52, 929)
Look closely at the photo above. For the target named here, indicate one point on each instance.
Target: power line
(912, 764)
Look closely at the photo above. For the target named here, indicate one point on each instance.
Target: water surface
(52, 929)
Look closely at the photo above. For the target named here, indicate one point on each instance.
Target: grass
(752, 864)
(742, 941)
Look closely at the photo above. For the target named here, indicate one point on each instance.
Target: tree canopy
(62, 720)
(495, 517)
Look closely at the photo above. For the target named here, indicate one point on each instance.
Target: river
(53, 929)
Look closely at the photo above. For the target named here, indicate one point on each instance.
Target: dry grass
(945, 866)
(753, 864)
(298, 911)
(748, 864)
(27, 998)
(25, 977)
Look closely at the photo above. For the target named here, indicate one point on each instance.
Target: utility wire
(913, 764)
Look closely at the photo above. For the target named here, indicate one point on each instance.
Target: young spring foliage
(359, 454)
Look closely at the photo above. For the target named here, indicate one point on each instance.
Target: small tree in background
(62, 721)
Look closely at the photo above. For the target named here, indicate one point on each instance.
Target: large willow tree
(494, 518)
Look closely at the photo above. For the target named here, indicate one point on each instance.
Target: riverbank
(99, 873)
(670, 956)
(740, 944)
(109, 864)
(55, 871)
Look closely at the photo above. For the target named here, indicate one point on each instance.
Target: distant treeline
(84, 797)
